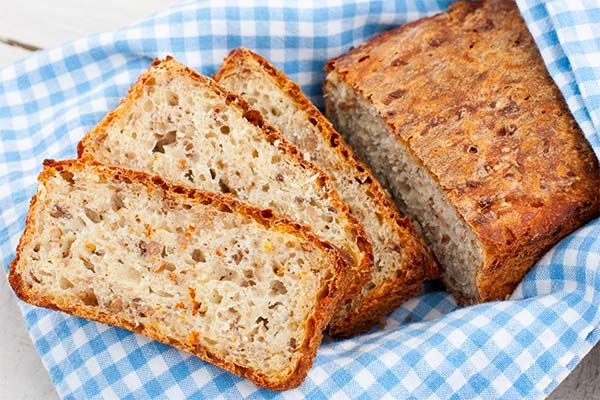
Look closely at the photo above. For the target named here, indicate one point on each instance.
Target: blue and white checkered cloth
(521, 348)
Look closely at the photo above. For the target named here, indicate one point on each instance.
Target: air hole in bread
(87, 264)
(116, 202)
(264, 321)
(213, 174)
(229, 275)
(59, 211)
(89, 298)
(92, 215)
(132, 275)
(254, 153)
(276, 112)
(216, 297)
(275, 159)
(265, 187)
(148, 106)
(210, 135)
(64, 283)
(198, 255)
(189, 175)
(172, 98)
(169, 138)
(169, 266)
(149, 248)
(223, 186)
(225, 130)
(248, 283)
(278, 269)
(163, 293)
(278, 287)
(67, 176)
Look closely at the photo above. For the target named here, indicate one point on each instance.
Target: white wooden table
(29, 25)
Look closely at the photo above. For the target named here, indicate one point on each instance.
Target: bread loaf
(235, 285)
(183, 126)
(458, 116)
(401, 258)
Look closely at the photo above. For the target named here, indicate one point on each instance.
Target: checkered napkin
(430, 349)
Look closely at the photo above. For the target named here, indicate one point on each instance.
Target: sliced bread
(184, 127)
(401, 258)
(459, 118)
(235, 285)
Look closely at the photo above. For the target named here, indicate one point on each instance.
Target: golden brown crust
(328, 304)
(488, 123)
(418, 260)
(94, 138)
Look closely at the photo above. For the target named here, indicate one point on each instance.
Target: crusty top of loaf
(468, 93)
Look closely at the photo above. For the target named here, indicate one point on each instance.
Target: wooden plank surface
(48, 23)
(30, 24)
(22, 375)
(584, 381)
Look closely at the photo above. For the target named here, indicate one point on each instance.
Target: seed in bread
(183, 126)
(459, 118)
(401, 258)
(235, 285)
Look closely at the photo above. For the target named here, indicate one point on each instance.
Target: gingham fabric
(429, 349)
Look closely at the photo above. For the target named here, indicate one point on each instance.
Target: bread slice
(458, 116)
(401, 258)
(237, 286)
(183, 126)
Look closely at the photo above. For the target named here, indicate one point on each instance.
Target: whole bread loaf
(401, 258)
(185, 127)
(458, 116)
(235, 285)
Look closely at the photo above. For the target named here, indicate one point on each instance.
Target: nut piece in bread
(402, 260)
(185, 127)
(459, 118)
(235, 285)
